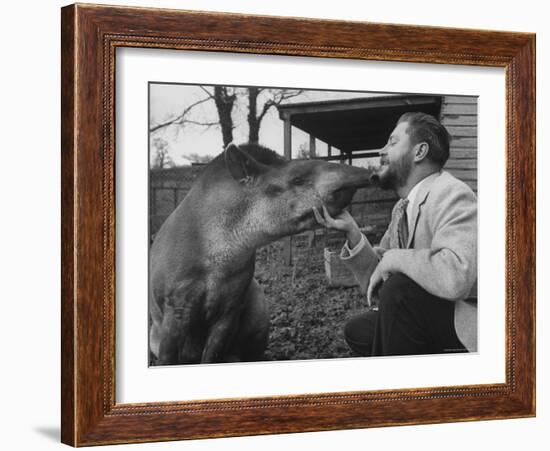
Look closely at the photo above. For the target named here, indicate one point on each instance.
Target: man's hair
(426, 128)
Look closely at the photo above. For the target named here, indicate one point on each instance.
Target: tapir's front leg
(171, 336)
(220, 338)
(177, 317)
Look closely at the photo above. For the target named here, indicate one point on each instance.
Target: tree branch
(265, 109)
(277, 100)
(204, 124)
(180, 118)
(285, 95)
(208, 93)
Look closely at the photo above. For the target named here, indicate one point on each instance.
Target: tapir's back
(176, 248)
(187, 238)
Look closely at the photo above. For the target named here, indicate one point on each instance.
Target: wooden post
(312, 154)
(287, 251)
(287, 138)
(312, 149)
(329, 150)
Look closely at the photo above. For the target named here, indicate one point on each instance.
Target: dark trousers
(409, 321)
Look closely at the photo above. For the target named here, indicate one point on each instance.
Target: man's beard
(394, 175)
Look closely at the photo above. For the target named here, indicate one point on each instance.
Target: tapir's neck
(234, 247)
(231, 232)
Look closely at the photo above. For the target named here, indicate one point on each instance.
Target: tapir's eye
(273, 190)
(298, 181)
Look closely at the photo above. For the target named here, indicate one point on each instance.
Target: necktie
(399, 227)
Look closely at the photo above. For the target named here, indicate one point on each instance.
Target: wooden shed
(358, 128)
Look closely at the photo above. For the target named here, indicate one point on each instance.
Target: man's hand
(376, 280)
(380, 275)
(343, 222)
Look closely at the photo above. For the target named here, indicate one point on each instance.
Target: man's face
(396, 158)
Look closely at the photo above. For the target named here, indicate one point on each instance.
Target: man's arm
(361, 260)
(448, 269)
(357, 253)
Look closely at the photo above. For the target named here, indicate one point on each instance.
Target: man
(423, 275)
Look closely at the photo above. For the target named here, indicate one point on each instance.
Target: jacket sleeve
(361, 261)
(448, 269)
(385, 241)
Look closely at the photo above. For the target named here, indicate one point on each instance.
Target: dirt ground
(307, 316)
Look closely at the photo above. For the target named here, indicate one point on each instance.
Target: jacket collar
(421, 197)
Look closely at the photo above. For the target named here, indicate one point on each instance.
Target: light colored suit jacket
(441, 255)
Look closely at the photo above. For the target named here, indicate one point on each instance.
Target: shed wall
(459, 116)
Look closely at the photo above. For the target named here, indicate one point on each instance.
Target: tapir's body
(204, 303)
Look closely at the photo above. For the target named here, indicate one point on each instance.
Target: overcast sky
(169, 100)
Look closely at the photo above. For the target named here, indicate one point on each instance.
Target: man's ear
(241, 166)
(421, 151)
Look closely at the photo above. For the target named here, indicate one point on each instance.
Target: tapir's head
(279, 195)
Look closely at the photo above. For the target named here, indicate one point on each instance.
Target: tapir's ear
(242, 166)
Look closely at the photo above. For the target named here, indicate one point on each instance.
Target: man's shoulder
(449, 196)
(447, 184)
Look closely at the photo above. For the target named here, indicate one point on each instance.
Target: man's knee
(394, 290)
(359, 332)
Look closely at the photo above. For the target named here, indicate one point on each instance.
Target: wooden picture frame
(90, 36)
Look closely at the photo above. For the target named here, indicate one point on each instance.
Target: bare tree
(197, 158)
(182, 118)
(304, 152)
(161, 159)
(256, 113)
(225, 97)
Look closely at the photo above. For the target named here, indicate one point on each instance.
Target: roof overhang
(359, 123)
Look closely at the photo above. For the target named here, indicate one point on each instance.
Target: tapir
(204, 304)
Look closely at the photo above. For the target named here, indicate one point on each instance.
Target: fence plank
(462, 131)
(467, 163)
(455, 108)
(459, 154)
(460, 99)
(462, 142)
(448, 120)
(464, 174)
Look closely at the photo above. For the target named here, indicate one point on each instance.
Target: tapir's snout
(339, 182)
(355, 177)
(340, 198)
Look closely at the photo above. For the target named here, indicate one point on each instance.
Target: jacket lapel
(421, 197)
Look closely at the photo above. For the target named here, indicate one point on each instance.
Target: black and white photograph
(288, 223)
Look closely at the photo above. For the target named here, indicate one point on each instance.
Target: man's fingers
(369, 295)
(318, 217)
(371, 292)
(327, 214)
(329, 219)
(374, 285)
